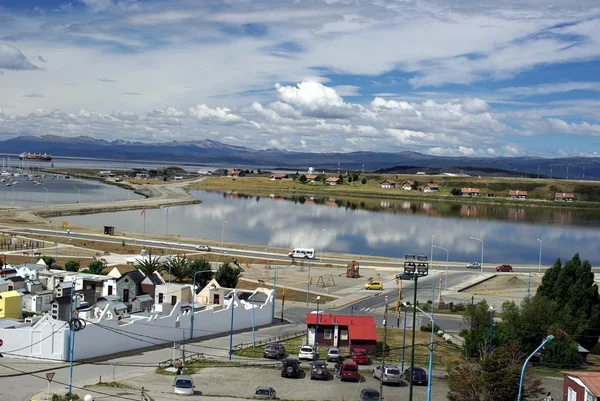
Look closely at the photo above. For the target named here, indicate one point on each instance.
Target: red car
(504, 268)
(360, 356)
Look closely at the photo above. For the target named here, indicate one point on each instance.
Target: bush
(363, 181)
(72, 266)
(456, 191)
(427, 327)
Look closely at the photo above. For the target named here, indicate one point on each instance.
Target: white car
(391, 374)
(183, 385)
(204, 248)
(306, 352)
(474, 265)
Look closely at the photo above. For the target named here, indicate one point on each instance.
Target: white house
(388, 184)
(172, 293)
(408, 185)
(103, 285)
(3, 285)
(38, 301)
(431, 187)
(30, 270)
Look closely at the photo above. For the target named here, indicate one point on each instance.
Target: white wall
(106, 336)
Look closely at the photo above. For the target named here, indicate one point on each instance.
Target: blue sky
(444, 77)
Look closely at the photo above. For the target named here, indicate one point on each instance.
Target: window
(572, 395)
(110, 290)
(327, 333)
(344, 334)
(589, 396)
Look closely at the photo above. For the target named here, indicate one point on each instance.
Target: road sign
(176, 345)
(50, 376)
(1, 343)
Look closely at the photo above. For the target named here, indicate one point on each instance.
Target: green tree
(492, 377)
(341, 177)
(456, 191)
(363, 181)
(355, 177)
(349, 179)
(228, 275)
(72, 266)
(203, 278)
(561, 353)
(49, 261)
(302, 178)
(180, 268)
(96, 267)
(149, 264)
(259, 171)
(415, 185)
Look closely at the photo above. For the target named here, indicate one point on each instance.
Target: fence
(189, 358)
(6, 244)
(259, 343)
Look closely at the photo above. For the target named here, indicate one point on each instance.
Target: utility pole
(412, 351)
(471, 329)
(385, 314)
(183, 349)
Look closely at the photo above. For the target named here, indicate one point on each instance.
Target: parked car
(474, 265)
(183, 385)
(318, 370)
(504, 268)
(290, 368)
(265, 393)
(274, 350)
(333, 354)
(204, 248)
(390, 374)
(349, 371)
(374, 285)
(307, 352)
(405, 276)
(360, 356)
(418, 377)
(369, 394)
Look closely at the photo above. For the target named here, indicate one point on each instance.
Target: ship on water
(35, 156)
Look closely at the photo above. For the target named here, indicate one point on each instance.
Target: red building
(343, 331)
(581, 386)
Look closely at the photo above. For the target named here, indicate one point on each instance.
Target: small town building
(408, 185)
(3, 285)
(142, 303)
(312, 178)
(517, 194)
(8, 272)
(33, 285)
(150, 282)
(388, 184)
(333, 181)
(16, 283)
(10, 305)
(564, 196)
(30, 270)
(235, 173)
(581, 386)
(38, 301)
(212, 294)
(129, 286)
(431, 187)
(470, 191)
(343, 331)
(278, 176)
(172, 293)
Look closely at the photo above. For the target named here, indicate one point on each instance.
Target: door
(126, 295)
(173, 299)
(110, 290)
(572, 395)
(216, 299)
(160, 297)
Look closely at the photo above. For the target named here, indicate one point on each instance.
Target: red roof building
(343, 331)
(581, 386)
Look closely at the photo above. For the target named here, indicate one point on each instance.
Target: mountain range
(208, 151)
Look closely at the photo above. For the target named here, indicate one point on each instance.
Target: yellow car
(374, 285)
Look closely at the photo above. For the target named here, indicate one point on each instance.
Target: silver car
(204, 248)
(183, 385)
(391, 374)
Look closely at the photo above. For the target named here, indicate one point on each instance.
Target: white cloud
(12, 58)
(203, 112)
(583, 128)
(474, 105)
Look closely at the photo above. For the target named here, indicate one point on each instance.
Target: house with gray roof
(129, 286)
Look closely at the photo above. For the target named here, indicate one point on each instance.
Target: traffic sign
(1, 343)
(50, 376)
(176, 345)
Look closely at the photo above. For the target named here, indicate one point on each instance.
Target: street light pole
(231, 305)
(480, 240)
(431, 257)
(540, 259)
(447, 258)
(317, 330)
(308, 284)
(46, 189)
(72, 335)
(430, 352)
(78, 193)
(492, 329)
(223, 234)
(385, 314)
(549, 338)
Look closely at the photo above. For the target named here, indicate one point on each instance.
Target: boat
(35, 156)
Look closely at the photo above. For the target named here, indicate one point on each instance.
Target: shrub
(427, 327)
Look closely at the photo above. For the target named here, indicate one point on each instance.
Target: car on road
(390, 374)
(474, 265)
(405, 276)
(333, 354)
(504, 268)
(374, 285)
(318, 370)
(349, 371)
(360, 356)
(418, 377)
(183, 385)
(265, 393)
(204, 248)
(307, 352)
(290, 368)
(369, 394)
(274, 350)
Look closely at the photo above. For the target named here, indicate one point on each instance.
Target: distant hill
(210, 151)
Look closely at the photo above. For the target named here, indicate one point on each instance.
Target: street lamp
(480, 240)
(540, 259)
(317, 330)
(430, 353)
(78, 193)
(46, 189)
(232, 306)
(321, 253)
(194, 299)
(491, 328)
(547, 339)
(431, 257)
(72, 334)
(223, 234)
(447, 257)
(170, 259)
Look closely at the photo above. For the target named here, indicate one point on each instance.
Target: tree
(479, 317)
(302, 178)
(363, 181)
(72, 266)
(456, 191)
(415, 185)
(95, 267)
(561, 353)
(355, 177)
(349, 179)
(203, 278)
(227, 275)
(259, 171)
(49, 261)
(149, 264)
(492, 377)
(180, 268)
(341, 177)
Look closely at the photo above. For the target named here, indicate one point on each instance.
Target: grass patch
(188, 371)
(113, 385)
(290, 294)
(292, 346)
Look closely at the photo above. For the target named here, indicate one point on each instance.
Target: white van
(306, 253)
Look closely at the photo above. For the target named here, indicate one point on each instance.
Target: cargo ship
(35, 156)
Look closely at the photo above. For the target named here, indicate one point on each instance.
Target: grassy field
(541, 191)
(290, 294)
(444, 353)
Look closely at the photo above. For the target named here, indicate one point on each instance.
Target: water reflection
(365, 227)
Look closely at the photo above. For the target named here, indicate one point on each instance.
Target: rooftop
(359, 327)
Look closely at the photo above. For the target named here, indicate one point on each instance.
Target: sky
(441, 77)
